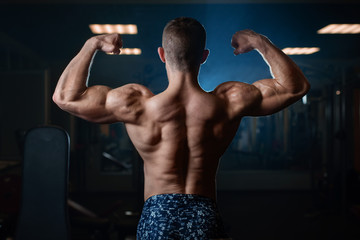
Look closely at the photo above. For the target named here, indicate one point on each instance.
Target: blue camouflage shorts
(180, 216)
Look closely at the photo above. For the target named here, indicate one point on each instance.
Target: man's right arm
(265, 96)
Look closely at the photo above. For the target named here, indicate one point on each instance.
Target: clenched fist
(109, 43)
(244, 41)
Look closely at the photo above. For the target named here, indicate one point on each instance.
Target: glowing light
(129, 51)
(301, 51)
(338, 92)
(129, 213)
(95, 28)
(304, 99)
(113, 28)
(340, 29)
(108, 28)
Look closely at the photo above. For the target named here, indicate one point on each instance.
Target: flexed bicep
(101, 104)
(72, 93)
(274, 97)
(90, 105)
(288, 83)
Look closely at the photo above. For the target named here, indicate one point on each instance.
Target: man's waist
(179, 198)
(208, 192)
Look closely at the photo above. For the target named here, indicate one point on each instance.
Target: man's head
(184, 44)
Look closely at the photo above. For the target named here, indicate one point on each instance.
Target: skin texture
(182, 132)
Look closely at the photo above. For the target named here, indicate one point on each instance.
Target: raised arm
(265, 96)
(98, 103)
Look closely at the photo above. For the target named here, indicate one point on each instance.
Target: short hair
(184, 43)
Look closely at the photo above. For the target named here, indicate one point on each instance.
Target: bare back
(182, 132)
(181, 142)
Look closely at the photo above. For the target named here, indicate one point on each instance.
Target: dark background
(292, 175)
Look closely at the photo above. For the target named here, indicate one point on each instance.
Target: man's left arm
(97, 103)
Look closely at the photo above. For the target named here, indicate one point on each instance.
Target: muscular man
(182, 132)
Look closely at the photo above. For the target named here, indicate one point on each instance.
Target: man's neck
(181, 82)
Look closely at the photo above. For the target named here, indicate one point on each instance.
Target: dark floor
(252, 215)
(283, 215)
(247, 215)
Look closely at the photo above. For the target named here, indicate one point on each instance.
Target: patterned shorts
(180, 216)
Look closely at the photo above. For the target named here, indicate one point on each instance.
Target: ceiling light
(113, 28)
(301, 51)
(129, 51)
(340, 29)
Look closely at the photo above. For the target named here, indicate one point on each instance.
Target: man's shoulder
(239, 97)
(227, 88)
(134, 87)
(132, 90)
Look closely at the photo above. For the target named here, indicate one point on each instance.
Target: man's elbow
(305, 87)
(56, 97)
(59, 100)
(301, 87)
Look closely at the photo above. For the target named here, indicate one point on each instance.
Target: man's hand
(109, 43)
(245, 41)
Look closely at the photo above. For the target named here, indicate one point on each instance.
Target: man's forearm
(283, 69)
(73, 81)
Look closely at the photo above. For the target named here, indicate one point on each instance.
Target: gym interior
(293, 175)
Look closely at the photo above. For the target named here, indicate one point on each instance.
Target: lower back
(159, 180)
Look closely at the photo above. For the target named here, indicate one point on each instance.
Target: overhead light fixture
(300, 50)
(129, 51)
(340, 29)
(113, 28)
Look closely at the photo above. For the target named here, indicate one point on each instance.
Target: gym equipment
(44, 212)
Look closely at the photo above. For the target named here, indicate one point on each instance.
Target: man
(182, 132)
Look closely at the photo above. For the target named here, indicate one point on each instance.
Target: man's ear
(161, 53)
(205, 55)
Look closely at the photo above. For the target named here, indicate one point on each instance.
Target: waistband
(179, 197)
